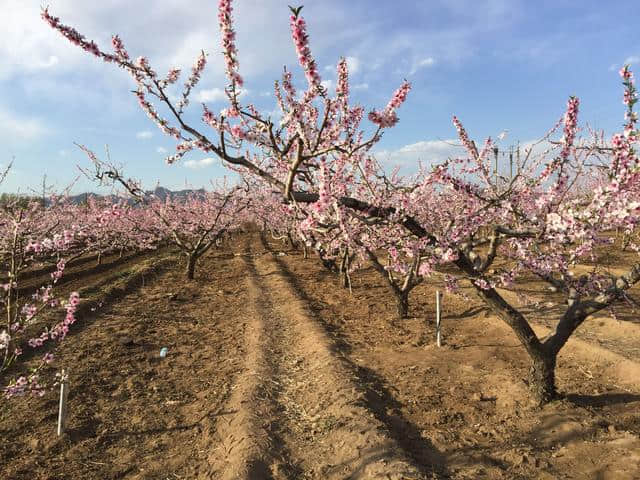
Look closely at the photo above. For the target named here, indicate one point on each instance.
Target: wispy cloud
(217, 95)
(18, 127)
(426, 151)
(161, 150)
(211, 95)
(421, 63)
(197, 164)
(432, 152)
(353, 65)
(630, 60)
(145, 134)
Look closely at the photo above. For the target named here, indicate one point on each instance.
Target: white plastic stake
(62, 409)
(438, 336)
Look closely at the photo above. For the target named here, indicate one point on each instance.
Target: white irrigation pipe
(438, 333)
(62, 409)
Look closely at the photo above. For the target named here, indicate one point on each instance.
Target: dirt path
(300, 414)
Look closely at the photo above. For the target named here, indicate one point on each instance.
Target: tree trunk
(542, 378)
(100, 257)
(402, 303)
(329, 264)
(191, 266)
(344, 269)
(292, 242)
(344, 279)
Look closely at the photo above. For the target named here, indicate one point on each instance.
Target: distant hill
(159, 192)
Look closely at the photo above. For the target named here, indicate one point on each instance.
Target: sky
(496, 64)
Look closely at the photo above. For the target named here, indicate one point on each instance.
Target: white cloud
(328, 84)
(353, 65)
(25, 45)
(197, 164)
(631, 60)
(161, 150)
(217, 95)
(361, 86)
(432, 152)
(426, 151)
(211, 95)
(13, 126)
(144, 134)
(422, 63)
(63, 153)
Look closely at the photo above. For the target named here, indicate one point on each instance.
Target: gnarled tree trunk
(542, 378)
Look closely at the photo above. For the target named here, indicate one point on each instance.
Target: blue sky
(496, 64)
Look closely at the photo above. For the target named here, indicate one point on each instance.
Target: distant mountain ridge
(160, 192)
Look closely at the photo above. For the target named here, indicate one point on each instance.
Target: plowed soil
(275, 372)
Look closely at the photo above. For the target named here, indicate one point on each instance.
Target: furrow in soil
(325, 424)
(250, 446)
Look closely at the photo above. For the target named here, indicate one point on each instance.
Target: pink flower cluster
(228, 42)
(173, 75)
(194, 78)
(570, 126)
(324, 189)
(387, 117)
(75, 37)
(55, 276)
(464, 138)
(630, 98)
(301, 42)
(38, 341)
(184, 147)
(23, 385)
(162, 123)
(342, 87)
(118, 47)
(60, 330)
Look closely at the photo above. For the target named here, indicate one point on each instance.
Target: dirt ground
(275, 372)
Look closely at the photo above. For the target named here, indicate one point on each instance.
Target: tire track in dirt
(80, 273)
(300, 411)
(249, 448)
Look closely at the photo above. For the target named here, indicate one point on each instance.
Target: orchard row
(310, 176)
